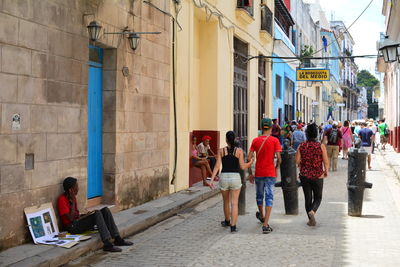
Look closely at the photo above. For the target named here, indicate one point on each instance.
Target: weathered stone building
(54, 83)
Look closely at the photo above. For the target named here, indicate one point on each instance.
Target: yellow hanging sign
(313, 75)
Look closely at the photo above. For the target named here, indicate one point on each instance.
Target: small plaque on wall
(16, 122)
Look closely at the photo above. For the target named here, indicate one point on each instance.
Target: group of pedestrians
(317, 151)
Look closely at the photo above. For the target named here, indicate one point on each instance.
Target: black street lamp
(390, 50)
(94, 29)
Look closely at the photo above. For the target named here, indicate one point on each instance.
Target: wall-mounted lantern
(94, 29)
(390, 50)
(133, 39)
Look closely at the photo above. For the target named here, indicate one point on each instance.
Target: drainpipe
(173, 181)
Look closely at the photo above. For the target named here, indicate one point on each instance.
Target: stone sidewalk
(130, 221)
(392, 158)
(195, 238)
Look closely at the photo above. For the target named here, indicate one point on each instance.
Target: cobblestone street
(194, 238)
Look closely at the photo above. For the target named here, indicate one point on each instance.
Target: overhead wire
(347, 28)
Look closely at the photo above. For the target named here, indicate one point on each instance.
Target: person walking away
(287, 134)
(76, 223)
(276, 129)
(201, 163)
(298, 137)
(384, 133)
(321, 132)
(328, 126)
(293, 125)
(332, 138)
(374, 129)
(367, 138)
(312, 159)
(230, 183)
(352, 127)
(347, 139)
(265, 148)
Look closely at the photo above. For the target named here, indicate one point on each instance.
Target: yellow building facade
(208, 66)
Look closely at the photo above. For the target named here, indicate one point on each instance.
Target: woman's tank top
(230, 163)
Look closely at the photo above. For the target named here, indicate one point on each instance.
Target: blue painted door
(95, 124)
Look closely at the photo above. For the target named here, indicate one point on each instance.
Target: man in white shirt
(205, 150)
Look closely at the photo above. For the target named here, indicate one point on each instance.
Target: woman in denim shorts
(232, 159)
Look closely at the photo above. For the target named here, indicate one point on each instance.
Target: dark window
(289, 89)
(266, 19)
(248, 5)
(278, 86)
(240, 92)
(95, 54)
(261, 90)
(283, 18)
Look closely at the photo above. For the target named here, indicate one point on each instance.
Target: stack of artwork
(43, 226)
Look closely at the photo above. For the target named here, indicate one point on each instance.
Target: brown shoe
(112, 249)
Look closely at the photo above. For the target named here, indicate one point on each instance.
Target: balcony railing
(267, 18)
(247, 5)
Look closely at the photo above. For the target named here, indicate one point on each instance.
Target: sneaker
(233, 229)
(266, 229)
(312, 218)
(225, 223)
(258, 216)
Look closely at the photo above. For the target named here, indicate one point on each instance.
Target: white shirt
(203, 150)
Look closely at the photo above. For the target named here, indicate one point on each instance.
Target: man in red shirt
(77, 224)
(265, 147)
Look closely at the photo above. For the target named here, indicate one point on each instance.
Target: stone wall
(44, 77)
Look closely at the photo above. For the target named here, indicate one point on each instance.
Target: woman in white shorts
(232, 159)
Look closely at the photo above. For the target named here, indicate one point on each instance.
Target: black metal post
(356, 180)
(242, 196)
(289, 181)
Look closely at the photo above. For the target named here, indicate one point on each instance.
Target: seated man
(74, 223)
(205, 151)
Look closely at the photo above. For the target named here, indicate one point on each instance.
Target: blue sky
(365, 31)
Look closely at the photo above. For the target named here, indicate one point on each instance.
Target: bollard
(356, 180)
(242, 196)
(289, 181)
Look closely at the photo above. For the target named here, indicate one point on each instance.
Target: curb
(396, 171)
(129, 222)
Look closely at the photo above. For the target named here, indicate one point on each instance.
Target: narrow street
(194, 237)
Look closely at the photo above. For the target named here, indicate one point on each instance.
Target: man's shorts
(230, 181)
(368, 149)
(265, 189)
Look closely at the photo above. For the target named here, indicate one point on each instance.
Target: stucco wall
(44, 77)
(204, 85)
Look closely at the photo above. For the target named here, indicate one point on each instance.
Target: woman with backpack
(332, 139)
(230, 183)
(384, 133)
